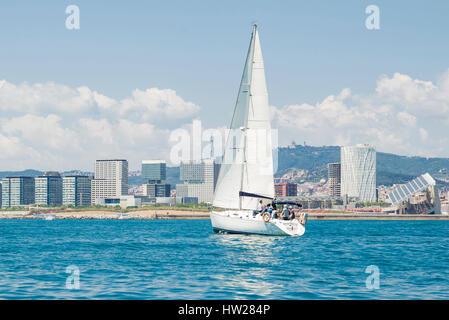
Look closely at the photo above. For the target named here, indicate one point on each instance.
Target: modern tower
(48, 189)
(76, 190)
(358, 172)
(17, 191)
(200, 178)
(154, 172)
(334, 179)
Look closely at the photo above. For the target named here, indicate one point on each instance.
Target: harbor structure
(358, 172)
(334, 179)
(418, 196)
(110, 179)
(76, 190)
(48, 189)
(17, 191)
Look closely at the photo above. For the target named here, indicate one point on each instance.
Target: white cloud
(423, 134)
(42, 132)
(403, 115)
(40, 98)
(406, 118)
(52, 126)
(155, 103)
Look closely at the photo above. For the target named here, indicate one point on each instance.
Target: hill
(391, 168)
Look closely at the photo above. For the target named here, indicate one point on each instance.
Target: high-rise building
(286, 189)
(198, 172)
(200, 178)
(76, 190)
(48, 189)
(358, 172)
(334, 179)
(160, 190)
(17, 191)
(110, 180)
(154, 171)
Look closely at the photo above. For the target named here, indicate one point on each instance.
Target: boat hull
(243, 222)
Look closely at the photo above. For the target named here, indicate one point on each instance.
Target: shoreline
(196, 215)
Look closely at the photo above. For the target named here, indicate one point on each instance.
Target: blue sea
(184, 259)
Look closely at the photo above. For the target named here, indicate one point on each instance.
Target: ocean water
(184, 259)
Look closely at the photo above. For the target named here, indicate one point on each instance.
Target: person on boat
(260, 209)
(274, 213)
(292, 213)
(285, 213)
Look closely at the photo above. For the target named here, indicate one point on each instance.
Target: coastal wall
(187, 214)
(143, 214)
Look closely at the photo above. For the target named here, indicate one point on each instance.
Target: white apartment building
(110, 179)
(200, 178)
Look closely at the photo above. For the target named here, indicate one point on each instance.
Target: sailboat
(246, 173)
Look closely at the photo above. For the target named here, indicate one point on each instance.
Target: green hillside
(390, 168)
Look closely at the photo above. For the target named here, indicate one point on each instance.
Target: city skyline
(66, 102)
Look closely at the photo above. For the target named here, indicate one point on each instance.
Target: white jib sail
(247, 161)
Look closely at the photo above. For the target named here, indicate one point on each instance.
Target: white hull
(244, 222)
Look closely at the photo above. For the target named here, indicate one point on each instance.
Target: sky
(135, 71)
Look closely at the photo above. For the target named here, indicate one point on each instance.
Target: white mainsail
(247, 164)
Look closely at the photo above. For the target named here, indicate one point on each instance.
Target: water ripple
(182, 259)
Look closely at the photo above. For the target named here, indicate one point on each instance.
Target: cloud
(154, 103)
(149, 105)
(406, 118)
(44, 97)
(403, 115)
(51, 126)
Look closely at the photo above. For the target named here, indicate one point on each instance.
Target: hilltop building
(358, 172)
(76, 191)
(334, 179)
(48, 189)
(110, 180)
(200, 178)
(17, 191)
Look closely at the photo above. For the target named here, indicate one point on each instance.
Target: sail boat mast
(244, 129)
